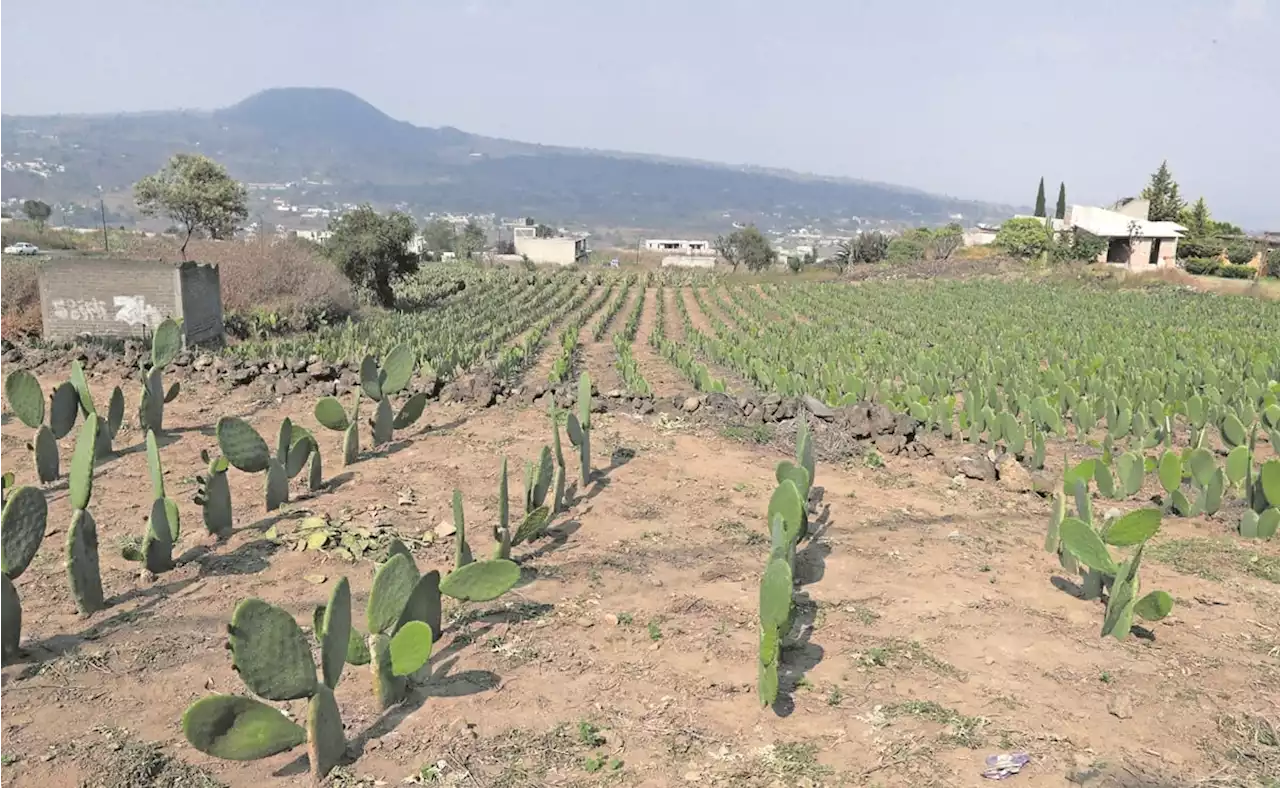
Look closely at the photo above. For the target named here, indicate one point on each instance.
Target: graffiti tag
(135, 310)
(79, 309)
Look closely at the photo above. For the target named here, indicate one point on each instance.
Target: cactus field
(654, 530)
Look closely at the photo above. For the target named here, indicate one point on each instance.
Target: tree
(438, 237)
(545, 231)
(1061, 211)
(1025, 238)
(471, 243)
(1040, 198)
(1162, 192)
(944, 242)
(373, 250)
(38, 212)
(748, 247)
(196, 193)
(1196, 219)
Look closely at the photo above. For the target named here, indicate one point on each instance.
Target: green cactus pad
(768, 683)
(1269, 478)
(26, 399)
(1202, 466)
(284, 439)
(157, 544)
(396, 547)
(1057, 513)
(481, 581)
(276, 485)
(411, 411)
(504, 497)
(63, 409)
(804, 455)
(11, 610)
(392, 586)
(216, 500)
(166, 343)
(81, 384)
(371, 378)
(1130, 470)
(574, 430)
(1238, 460)
(330, 414)
(424, 604)
(1233, 431)
(22, 527)
(115, 411)
(315, 475)
(1133, 528)
(1154, 606)
(397, 369)
(151, 411)
(299, 453)
(154, 465)
(173, 392)
(383, 422)
(410, 648)
(770, 645)
(351, 444)
(1080, 540)
(584, 401)
(1211, 500)
(461, 550)
(544, 474)
(80, 482)
(532, 527)
(775, 594)
(786, 501)
(46, 455)
(388, 688)
(241, 444)
(83, 572)
(326, 742)
(796, 473)
(335, 633)
(237, 728)
(270, 652)
(1170, 471)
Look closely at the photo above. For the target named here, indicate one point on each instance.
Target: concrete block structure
(1133, 241)
(115, 298)
(555, 251)
(675, 246)
(689, 261)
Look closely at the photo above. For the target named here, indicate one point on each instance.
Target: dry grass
(19, 298)
(1268, 289)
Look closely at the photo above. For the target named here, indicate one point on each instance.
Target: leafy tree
(372, 250)
(1200, 246)
(471, 243)
(38, 212)
(1272, 267)
(748, 247)
(1061, 211)
(1224, 228)
(1040, 198)
(545, 231)
(1025, 238)
(908, 247)
(1162, 192)
(1240, 253)
(196, 193)
(869, 247)
(944, 242)
(438, 237)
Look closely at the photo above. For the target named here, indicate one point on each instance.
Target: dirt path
(930, 632)
(662, 378)
(550, 349)
(598, 357)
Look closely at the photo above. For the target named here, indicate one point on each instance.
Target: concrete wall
(560, 251)
(108, 297)
(1139, 258)
(688, 261)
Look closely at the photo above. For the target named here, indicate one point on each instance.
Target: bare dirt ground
(661, 377)
(933, 628)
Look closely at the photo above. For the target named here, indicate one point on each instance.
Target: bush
(1239, 253)
(905, 249)
(1202, 246)
(20, 299)
(1080, 246)
(1272, 268)
(1236, 272)
(1025, 237)
(1202, 266)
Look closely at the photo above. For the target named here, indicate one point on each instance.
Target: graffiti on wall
(79, 309)
(135, 311)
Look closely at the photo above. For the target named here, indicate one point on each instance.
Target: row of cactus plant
(26, 399)
(164, 525)
(378, 383)
(246, 450)
(788, 522)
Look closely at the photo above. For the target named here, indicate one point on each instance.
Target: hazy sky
(973, 99)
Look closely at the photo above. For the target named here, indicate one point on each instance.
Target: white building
(675, 246)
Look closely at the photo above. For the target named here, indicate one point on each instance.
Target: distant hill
(351, 151)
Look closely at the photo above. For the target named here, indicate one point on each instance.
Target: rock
(243, 376)
(890, 444)
(321, 371)
(1012, 475)
(883, 420)
(691, 404)
(203, 362)
(787, 409)
(906, 426)
(327, 388)
(979, 468)
(298, 365)
(856, 420)
(644, 406)
(286, 386)
(1121, 706)
(615, 393)
(818, 408)
(445, 528)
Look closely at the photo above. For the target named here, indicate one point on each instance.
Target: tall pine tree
(1040, 198)
(1061, 212)
(1162, 192)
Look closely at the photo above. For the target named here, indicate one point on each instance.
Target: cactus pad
(796, 473)
(1170, 471)
(1130, 471)
(768, 683)
(1134, 528)
(215, 499)
(775, 595)
(423, 604)
(81, 385)
(1154, 606)
(83, 572)
(45, 451)
(351, 444)
(393, 584)
(22, 528)
(787, 502)
(276, 485)
(63, 409)
(315, 474)
(237, 728)
(330, 414)
(370, 378)
(1269, 479)
(411, 411)
(11, 611)
(166, 343)
(242, 445)
(410, 648)
(335, 633)
(80, 483)
(1080, 540)
(157, 545)
(533, 526)
(383, 422)
(481, 581)
(270, 652)
(397, 369)
(115, 410)
(574, 429)
(584, 401)
(388, 689)
(26, 399)
(299, 453)
(151, 410)
(154, 465)
(326, 743)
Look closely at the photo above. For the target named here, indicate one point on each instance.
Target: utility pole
(102, 206)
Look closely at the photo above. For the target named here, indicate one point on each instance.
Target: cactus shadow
(1067, 587)
(387, 449)
(799, 655)
(247, 559)
(558, 537)
(431, 429)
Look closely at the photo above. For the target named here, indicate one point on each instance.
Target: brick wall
(107, 297)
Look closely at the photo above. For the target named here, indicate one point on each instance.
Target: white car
(22, 247)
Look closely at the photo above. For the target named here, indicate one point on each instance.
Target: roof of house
(1112, 224)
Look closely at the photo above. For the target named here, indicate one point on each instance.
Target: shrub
(1239, 253)
(905, 249)
(1272, 268)
(1202, 266)
(1025, 237)
(1078, 246)
(1202, 246)
(19, 299)
(1236, 272)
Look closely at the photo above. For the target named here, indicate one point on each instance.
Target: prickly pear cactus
(558, 475)
(45, 453)
(330, 414)
(461, 550)
(334, 633)
(22, 528)
(214, 496)
(381, 383)
(270, 652)
(579, 428)
(26, 399)
(237, 728)
(481, 581)
(241, 444)
(83, 572)
(11, 610)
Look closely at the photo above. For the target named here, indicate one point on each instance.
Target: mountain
(335, 147)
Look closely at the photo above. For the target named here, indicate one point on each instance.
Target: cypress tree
(1061, 213)
(1040, 199)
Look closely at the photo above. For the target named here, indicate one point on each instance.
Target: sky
(971, 99)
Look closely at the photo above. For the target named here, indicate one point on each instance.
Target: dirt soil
(933, 629)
